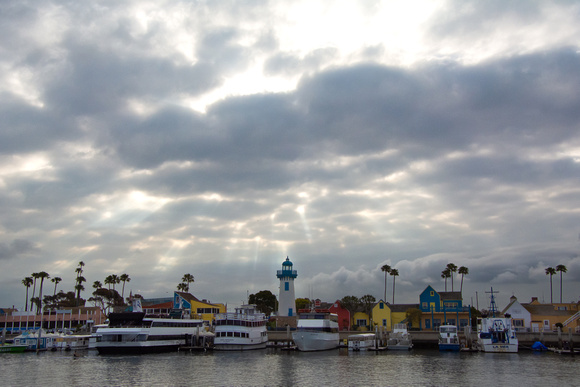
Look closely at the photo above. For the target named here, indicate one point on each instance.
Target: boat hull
(499, 348)
(12, 348)
(157, 346)
(315, 341)
(449, 347)
(239, 347)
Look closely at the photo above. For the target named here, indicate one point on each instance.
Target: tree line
(101, 296)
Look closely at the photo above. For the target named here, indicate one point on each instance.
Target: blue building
(442, 307)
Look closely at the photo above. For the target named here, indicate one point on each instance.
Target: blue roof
(287, 262)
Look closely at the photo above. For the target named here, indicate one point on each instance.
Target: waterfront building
(546, 316)
(286, 298)
(343, 315)
(382, 315)
(203, 309)
(521, 317)
(399, 313)
(61, 319)
(439, 308)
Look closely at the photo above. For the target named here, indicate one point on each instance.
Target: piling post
(560, 337)
(571, 341)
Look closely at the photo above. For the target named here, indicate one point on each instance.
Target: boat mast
(492, 305)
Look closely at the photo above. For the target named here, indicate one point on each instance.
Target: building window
(425, 305)
(463, 322)
(436, 322)
(427, 323)
(518, 323)
(384, 322)
(361, 322)
(286, 286)
(432, 293)
(451, 321)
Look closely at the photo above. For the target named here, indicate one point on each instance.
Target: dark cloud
(360, 165)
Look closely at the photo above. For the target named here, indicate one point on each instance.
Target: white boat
(448, 339)
(245, 329)
(133, 332)
(362, 342)
(316, 331)
(399, 339)
(496, 334)
(72, 342)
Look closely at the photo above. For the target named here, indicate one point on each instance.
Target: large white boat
(316, 331)
(133, 332)
(400, 339)
(245, 329)
(496, 334)
(448, 339)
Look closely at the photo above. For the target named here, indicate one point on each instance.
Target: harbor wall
(430, 339)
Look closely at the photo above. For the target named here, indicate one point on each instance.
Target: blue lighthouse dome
(287, 262)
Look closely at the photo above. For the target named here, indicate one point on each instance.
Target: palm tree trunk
(26, 303)
(385, 299)
(551, 298)
(461, 288)
(560, 286)
(393, 290)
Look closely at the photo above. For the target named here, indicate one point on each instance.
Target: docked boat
(400, 339)
(243, 330)
(448, 339)
(361, 342)
(72, 342)
(39, 340)
(316, 330)
(496, 334)
(133, 332)
(12, 348)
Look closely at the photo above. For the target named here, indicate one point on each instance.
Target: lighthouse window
(286, 286)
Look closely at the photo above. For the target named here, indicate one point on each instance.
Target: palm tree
(97, 285)
(124, 278)
(42, 275)
(27, 281)
(115, 280)
(79, 287)
(445, 274)
(182, 287)
(109, 280)
(452, 269)
(394, 273)
(561, 269)
(187, 278)
(463, 271)
(55, 280)
(35, 276)
(387, 270)
(550, 271)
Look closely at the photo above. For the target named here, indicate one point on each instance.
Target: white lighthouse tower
(286, 300)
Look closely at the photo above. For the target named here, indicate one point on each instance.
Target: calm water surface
(272, 367)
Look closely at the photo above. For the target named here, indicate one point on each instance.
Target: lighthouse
(286, 300)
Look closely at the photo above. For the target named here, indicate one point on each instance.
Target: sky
(217, 138)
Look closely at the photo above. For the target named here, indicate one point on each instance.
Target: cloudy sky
(158, 138)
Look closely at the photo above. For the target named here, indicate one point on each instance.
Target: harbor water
(276, 367)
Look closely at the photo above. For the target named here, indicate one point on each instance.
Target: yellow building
(546, 316)
(382, 315)
(200, 308)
